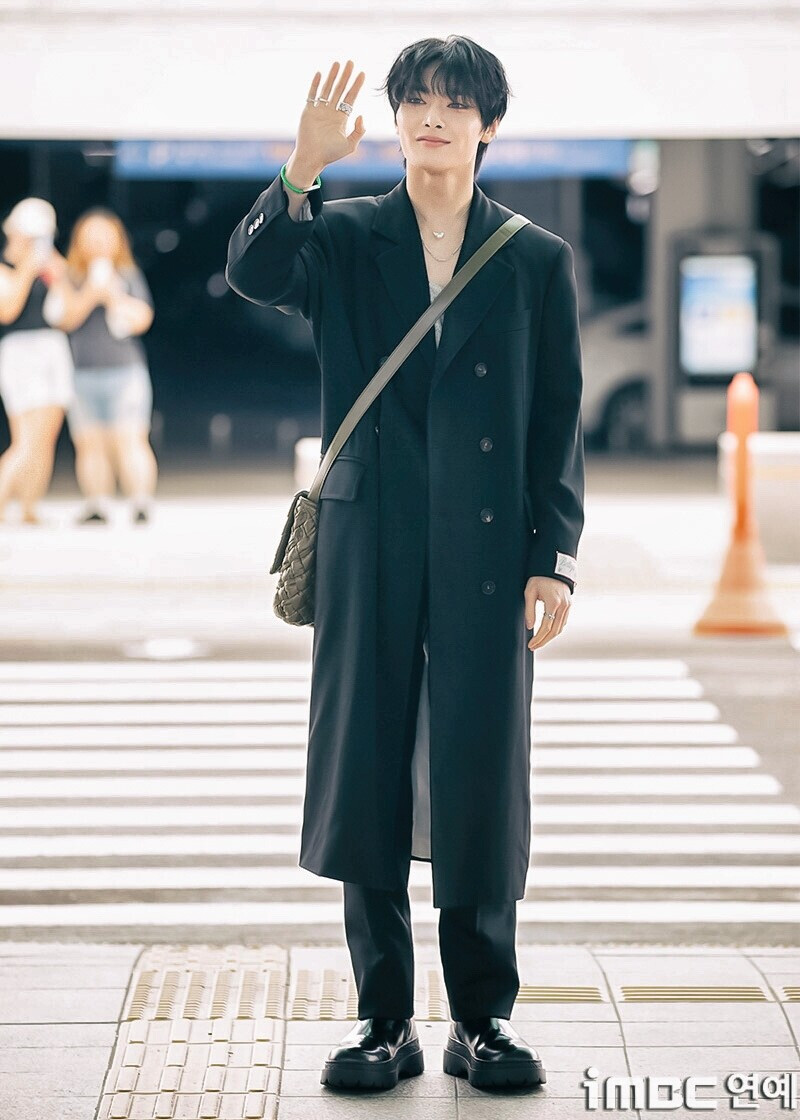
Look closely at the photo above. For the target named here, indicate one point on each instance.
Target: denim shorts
(111, 395)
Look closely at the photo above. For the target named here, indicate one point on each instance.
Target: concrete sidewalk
(106, 1031)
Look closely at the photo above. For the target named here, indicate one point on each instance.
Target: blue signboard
(376, 159)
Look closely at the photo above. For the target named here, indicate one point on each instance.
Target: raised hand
(322, 136)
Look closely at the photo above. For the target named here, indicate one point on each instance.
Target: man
(455, 506)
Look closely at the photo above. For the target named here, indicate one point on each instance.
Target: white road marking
(88, 714)
(285, 688)
(234, 914)
(287, 758)
(153, 670)
(583, 688)
(257, 878)
(618, 733)
(179, 735)
(589, 711)
(285, 734)
(556, 667)
(207, 843)
(218, 814)
(105, 692)
(185, 787)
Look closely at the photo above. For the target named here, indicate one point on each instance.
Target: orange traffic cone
(740, 604)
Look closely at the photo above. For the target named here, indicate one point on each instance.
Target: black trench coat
(462, 480)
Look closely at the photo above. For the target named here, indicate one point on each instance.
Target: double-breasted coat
(463, 479)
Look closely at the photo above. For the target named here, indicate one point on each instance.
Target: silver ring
(343, 107)
(549, 615)
(323, 100)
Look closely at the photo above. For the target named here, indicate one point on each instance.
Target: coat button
(487, 514)
(480, 369)
(377, 429)
(486, 444)
(487, 587)
(250, 228)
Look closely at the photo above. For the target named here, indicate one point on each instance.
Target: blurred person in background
(36, 369)
(104, 305)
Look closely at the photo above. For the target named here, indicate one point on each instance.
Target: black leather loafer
(374, 1054)
(490, 1053)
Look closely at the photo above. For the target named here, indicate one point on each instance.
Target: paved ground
(197, 1031)
(152, 721)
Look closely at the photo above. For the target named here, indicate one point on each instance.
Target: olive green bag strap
(407, 344)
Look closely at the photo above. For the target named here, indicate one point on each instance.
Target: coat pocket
(343, 479)
(516, 321)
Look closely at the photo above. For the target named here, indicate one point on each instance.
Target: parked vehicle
(617, 363)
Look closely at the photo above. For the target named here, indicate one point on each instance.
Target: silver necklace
(442, 260)
(438, 234)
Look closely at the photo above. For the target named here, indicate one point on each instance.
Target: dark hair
(464, 69)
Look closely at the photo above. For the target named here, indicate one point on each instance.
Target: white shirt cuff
(566, 566)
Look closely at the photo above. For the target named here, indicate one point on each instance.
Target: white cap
(32, 217)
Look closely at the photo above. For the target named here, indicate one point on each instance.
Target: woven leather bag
(295, 558)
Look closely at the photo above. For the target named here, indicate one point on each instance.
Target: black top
(93, 345)
(31, 317)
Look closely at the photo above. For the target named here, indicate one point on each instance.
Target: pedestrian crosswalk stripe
(126, 670)
(236, 914)
(619, 733)
(545, 711)
(285, 688)
(287, 758)
(218, 814)
(258, 878)
(283, 734)
(157, 735)
(550, 667)
(613, 688)
(627, 667)
(48, 693)
(183, 787)
(209, 843)
(88, 714)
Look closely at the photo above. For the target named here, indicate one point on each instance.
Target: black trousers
(476, 943)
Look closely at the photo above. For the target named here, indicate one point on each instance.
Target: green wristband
(297, 190)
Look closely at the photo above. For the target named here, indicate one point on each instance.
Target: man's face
(457, 123)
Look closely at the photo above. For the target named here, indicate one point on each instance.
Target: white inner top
(437, 328)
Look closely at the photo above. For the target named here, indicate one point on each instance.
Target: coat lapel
(400, 258)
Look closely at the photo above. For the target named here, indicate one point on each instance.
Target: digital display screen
(718, 314)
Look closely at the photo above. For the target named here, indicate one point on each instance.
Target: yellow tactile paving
(201, 1035)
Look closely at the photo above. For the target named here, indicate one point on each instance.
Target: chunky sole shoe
(461, 1062)
(352, 1073)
